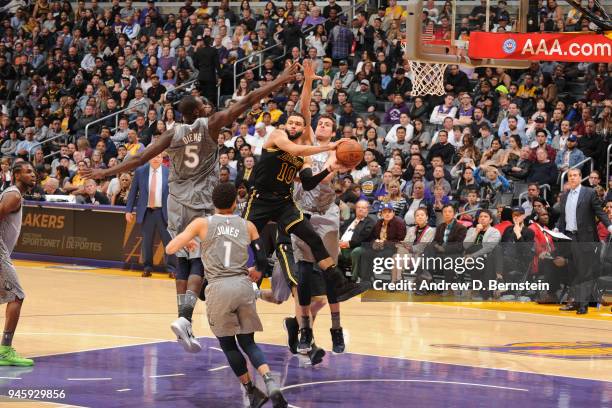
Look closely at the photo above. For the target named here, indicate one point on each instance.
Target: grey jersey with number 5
(194, 167)
(224, 251)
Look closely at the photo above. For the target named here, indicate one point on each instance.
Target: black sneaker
(257, 398)
(337, 340)
(305, 342)
(292, 328)
(275, 394)
(346, 290)
(316, 354)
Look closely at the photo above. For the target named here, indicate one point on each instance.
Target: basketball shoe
(9, 357)
(306, 340)
(316, 354)
(182, 328)
(337, 340)
(292, 328)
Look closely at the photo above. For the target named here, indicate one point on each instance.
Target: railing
(38, 144)
(183, 86)
(115, 114)
(577, 166)
(55, 153)
(458, 215)
(608, 162)
(260, 53)
(522, 196)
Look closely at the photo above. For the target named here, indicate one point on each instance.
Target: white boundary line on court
(288, 387)
(119, 336)
(10, 378)
(90, 379)
(167, 375)
(218, 368)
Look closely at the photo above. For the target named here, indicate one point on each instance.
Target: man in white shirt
(404, 122)
(441, 112)
(258, 139)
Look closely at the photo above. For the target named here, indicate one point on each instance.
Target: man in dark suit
(355, 231)
(246, 174)
(149, 193)
(448, 241)
(578, 208)
(206, 60)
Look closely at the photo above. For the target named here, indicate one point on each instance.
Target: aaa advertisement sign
(566, 47)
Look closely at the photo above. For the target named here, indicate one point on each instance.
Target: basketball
(349, 153)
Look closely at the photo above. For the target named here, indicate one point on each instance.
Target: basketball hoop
(428, 78)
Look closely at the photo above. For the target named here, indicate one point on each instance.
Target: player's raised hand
(334, 165)
(288, 74)
(309, 74)
(95, 174)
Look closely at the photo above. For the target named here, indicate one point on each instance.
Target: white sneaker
(182, 328)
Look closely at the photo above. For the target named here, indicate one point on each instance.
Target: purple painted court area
(162, 375)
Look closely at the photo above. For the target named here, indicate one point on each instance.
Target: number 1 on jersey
(228, 253)
(192, 160)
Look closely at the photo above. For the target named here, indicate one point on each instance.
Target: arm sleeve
(261, 262)
(310, 181)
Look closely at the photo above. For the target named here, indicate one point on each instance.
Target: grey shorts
(327, 226)
(230, 306)
(179, 217)
(10, 288)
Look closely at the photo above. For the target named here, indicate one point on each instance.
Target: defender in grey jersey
(11, 291)
(193, 173)
(230, 296)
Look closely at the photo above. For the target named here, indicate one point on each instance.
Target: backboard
(442, 34)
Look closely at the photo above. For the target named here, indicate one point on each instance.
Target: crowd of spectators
(498, 138)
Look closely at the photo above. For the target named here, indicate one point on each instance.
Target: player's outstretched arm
(279, 139)
(198, 227)
(227, 116)
(309, 76)
(137, 160)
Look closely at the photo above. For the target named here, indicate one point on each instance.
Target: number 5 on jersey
(192, 159)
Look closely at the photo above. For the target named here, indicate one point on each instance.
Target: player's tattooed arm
(197, 228)
(227, 116)
(160, 144)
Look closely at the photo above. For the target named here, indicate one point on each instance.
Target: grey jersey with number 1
(194, 169)
(224, 251)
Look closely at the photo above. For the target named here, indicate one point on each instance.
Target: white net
(428, 78)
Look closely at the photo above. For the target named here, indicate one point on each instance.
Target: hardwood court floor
(74, 310)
